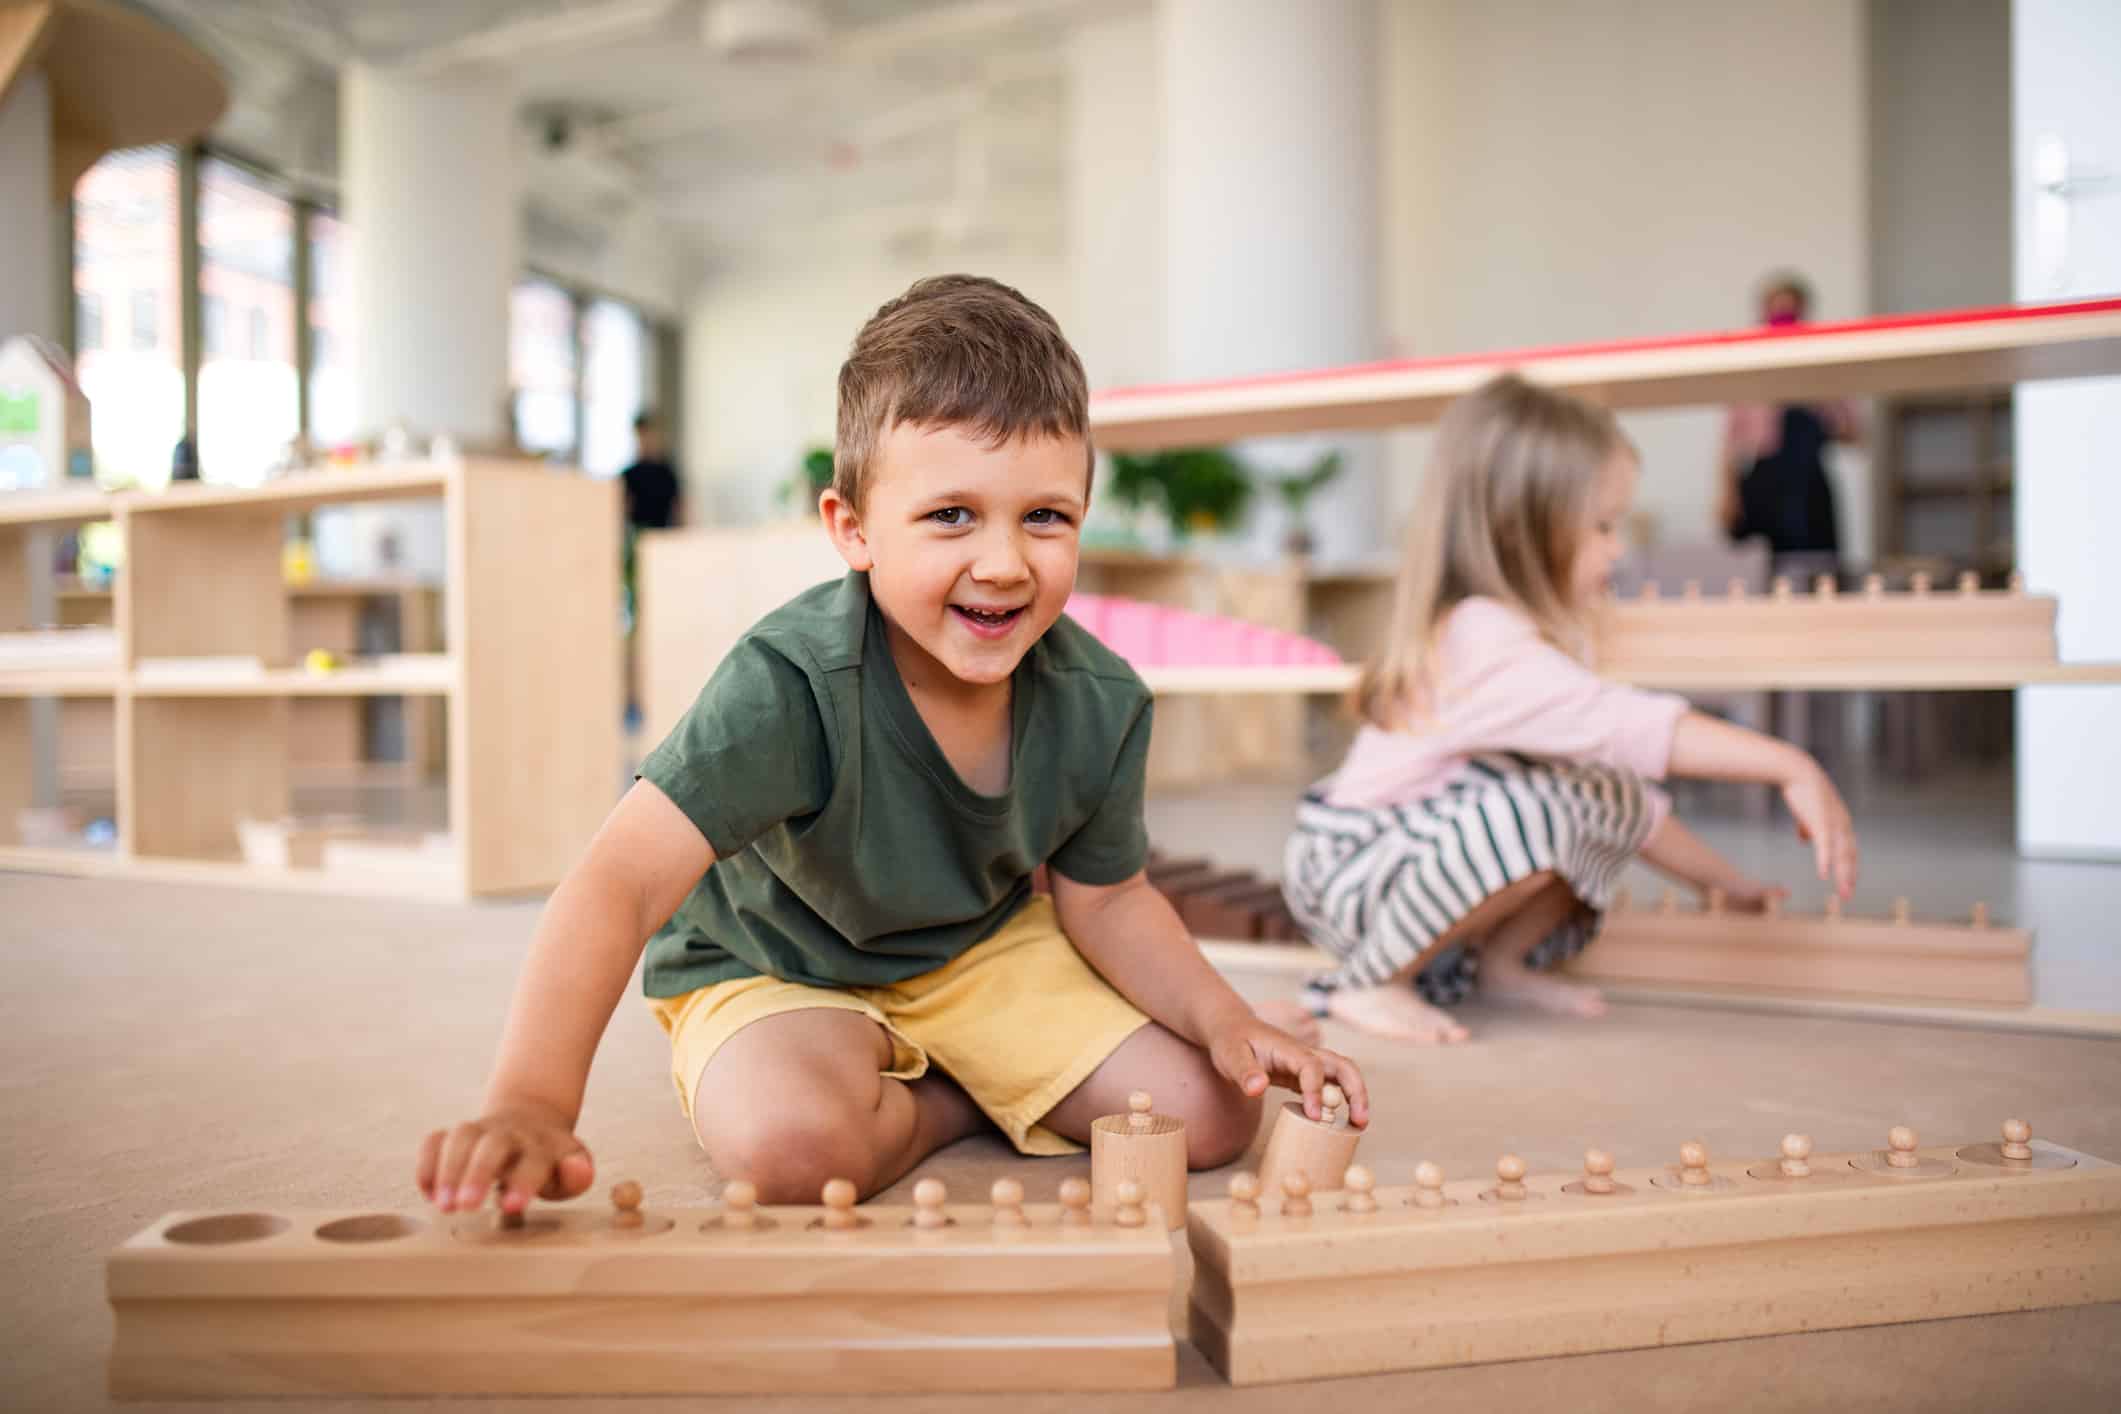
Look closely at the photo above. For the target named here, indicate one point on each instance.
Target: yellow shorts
(1018, 1020)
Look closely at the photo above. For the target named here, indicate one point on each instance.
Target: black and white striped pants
(1375, 885)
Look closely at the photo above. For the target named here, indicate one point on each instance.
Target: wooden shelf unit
(529, 682)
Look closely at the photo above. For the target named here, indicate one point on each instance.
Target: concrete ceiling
(901, 117)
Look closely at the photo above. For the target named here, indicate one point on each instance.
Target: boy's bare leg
(1505, 978)
(1394, 1010)
(799, 1098)
(1220, 1119)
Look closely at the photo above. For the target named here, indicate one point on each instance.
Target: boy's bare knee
(790, 1157)
(1222, 1128)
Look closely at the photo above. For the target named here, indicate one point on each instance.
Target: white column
(2066, 128)
(1269, 157)
(433, 197)
(29, 304)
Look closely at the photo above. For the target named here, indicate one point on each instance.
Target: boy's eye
(1046, 515)
(952, 516)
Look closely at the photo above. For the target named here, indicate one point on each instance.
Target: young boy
(834, 850)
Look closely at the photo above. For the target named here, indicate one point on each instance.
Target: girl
(1498, 786)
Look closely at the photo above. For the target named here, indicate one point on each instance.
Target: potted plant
(810, 480)
(1296, 492)
(1201, 488)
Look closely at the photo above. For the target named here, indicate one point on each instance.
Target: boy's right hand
(528, 1149)
(1823, 819)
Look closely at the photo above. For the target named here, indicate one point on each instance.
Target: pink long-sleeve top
(1497, 685)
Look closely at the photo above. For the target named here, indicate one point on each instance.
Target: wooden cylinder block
(1321, 1151)
(1141, 1148)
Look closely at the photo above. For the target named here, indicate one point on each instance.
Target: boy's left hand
(1250, 1054)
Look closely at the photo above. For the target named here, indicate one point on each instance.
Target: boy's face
(970, 548)
(1601, 543)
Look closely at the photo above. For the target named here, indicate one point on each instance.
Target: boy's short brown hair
(956, 350)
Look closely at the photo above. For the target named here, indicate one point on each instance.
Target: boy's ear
(844, 524)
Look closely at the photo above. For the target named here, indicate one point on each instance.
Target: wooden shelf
(1332, 680)
(58, 508)
(62, 682)
(204, 731)
(1897, 354)
(402, 678)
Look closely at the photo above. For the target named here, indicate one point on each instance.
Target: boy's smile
(970, 547)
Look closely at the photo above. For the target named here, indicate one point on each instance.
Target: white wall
(1940, 153)
(1115, 201)
(1611, 168)
(764, 344)
(2066, 122)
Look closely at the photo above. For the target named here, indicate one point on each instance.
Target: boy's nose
(1000, 561)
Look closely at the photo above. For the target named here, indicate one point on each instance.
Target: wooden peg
(1969, 582)
(1509, 1179)
(1796, 1150)
(1295, 1194)
(2017, 1139)
(1143, 1146)
(1244, 1194)
(1691, 591)
(1128, 1212)
(1874, 586)
(1918, 582)
(1716, 899)
(1833, 908)
(1694, 1164)
(1007, 1196)
(1900, 1145)
(1782, 586)
(740, 1199)
(1735, 588)
(1649, 589)
(626, 1204)
(839, 1205)
(1075, 1202)
(507, 1221)
(1824, 586)
(2016, 583)
(1321, 1148)
(928, 1196)
(1428, 1185)
(1668, 901)
(1361, 1185)
(1979, 917)
(1771, 905)
(1902, 911)
(1597, 1171)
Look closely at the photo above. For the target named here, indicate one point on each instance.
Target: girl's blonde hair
(1501, 511)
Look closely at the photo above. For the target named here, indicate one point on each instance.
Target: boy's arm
(1708, 749)
(1130, 933)
(638, 869)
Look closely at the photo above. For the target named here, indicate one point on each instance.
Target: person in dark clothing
(1775, 481)
(654, 499)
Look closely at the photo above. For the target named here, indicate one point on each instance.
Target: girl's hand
(1750, 895)
(1250, 1054)
(1823, 820)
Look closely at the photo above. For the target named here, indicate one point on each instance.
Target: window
(213, 317)
(125, 266)
(541, 364)
(331, 412)
(147, 320)
(615, 356)
(248, 407)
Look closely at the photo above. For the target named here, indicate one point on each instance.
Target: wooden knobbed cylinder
(1143, 1148)
(1320, 1149)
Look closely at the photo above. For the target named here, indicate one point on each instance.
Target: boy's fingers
(1349, 1078)
(572, 1175)
(456, 1152)
(488, 1161)
(531, 1173)
(1311, 1080)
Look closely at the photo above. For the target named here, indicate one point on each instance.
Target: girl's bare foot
(1292, 1018)
(1394, 1012)
(1516, 985)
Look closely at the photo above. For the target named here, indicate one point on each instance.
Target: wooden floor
(167, 1047)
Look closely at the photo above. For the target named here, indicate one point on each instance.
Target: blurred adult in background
(1775, 478)
(653, 498)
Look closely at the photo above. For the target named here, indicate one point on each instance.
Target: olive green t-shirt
(848, 851)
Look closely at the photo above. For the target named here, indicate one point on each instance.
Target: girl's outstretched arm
(1708, 749)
